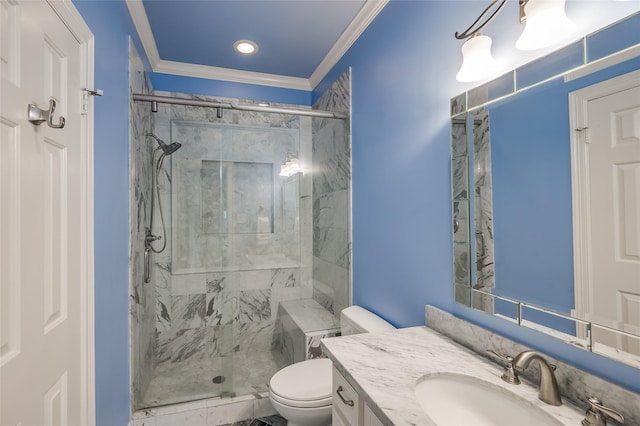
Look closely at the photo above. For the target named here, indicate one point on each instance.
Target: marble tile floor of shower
(196, 378)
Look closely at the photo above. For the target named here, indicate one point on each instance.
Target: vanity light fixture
(246, 47)
(477, 61)
(546, 23)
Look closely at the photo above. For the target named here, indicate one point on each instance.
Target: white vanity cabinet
(349, 409)
(370, 419)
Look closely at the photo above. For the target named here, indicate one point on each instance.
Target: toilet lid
(303, 381)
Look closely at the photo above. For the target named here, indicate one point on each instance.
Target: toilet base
(317, 416)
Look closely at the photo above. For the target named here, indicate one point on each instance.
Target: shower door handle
(147, 267)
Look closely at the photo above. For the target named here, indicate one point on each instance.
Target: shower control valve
(149, 237)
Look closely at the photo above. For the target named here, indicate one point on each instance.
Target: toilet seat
(324, 402)
(305, 384)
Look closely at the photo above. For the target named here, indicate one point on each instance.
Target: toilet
(301, 392)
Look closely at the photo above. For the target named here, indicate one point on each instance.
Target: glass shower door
(235, 224)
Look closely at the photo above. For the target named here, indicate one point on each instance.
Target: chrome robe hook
(38, 116)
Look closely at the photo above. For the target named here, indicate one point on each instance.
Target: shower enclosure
(256, 268)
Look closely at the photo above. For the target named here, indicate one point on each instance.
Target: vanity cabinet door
(336, 419)
(346, 402)
(370, 419)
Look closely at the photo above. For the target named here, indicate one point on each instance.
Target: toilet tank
(355, 320)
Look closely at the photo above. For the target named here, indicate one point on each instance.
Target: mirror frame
(570, 62)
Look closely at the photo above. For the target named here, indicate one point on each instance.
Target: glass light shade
(477, 61)
(546, 24)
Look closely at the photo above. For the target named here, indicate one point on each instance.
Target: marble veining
(221, 308)
(460, 196)
(338, 97)
(142, 300)
(300, 327)
(485, 270)
(574, 383)
(384, 368)
(188, 311)
(213, 301)
(458, 104)
(254, 305)
(202, 314)
(331, 195)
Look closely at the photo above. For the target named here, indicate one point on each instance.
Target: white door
(46, 255)
(612, 140)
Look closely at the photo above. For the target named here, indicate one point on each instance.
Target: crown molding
(141, 22)
(369, 11)
(232, 75)
(360, 23)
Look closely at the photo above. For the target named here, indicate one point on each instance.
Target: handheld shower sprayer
(155, 190)
(166, 149)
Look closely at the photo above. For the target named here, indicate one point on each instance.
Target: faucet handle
(509, 375)
(506, 358)
(596, 411)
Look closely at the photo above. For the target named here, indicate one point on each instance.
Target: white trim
(580, 201)
(603, 63)
(365, 16)
(228, 74)
(143, 28)
(70, 16)
(578, 119)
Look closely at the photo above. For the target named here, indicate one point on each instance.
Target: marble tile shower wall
(210, 313)
(332, 199)
(142, 300)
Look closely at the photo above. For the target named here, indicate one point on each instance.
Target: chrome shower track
(236, 106)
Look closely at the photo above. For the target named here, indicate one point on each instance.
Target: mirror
(546, 194)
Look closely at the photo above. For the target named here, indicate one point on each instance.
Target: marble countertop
(385, 367)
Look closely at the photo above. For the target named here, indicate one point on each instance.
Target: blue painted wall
(403, 77)
(111, 25)
(532, 186)
(404, 68)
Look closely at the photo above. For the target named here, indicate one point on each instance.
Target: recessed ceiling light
(246, 47)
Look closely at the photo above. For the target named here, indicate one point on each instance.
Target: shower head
(166, 149)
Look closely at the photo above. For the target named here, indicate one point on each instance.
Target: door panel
(43, 249)
(614, 164)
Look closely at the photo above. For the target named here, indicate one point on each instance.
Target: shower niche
(232, 209)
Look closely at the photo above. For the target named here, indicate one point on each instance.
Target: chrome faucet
(549, 391)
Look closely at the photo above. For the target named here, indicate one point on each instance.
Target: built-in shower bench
(299, 327)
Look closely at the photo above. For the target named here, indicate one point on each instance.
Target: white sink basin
(456, 399)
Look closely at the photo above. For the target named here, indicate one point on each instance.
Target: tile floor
(263, 421)
(193, 379)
